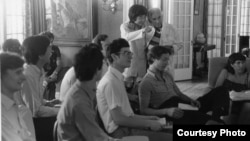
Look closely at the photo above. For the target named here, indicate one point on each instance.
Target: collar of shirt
(33, 69)
(116, 73)
(7, 102)
(156, 74)
(90, 89)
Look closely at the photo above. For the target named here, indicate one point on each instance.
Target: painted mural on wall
(70, 20)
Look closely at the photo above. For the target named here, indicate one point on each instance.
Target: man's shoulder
(106, 80)
(76, 96)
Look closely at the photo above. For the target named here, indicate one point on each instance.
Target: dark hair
(10, 46)
(232, 59)
(87, 61)
(135, 11)
(35, 46)
(157, 51)
(115, 47)
(99, 38)
(48, 34)
(10, 61)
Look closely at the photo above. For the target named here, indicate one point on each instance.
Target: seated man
(12, 45)
(113, 105)
(15, 126)
(76, 118)
(68, 80)
(159, 95)
(37, 51)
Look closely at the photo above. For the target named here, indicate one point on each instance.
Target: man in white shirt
(112, 100)
(68, 80)
(37, 51)
(17, 123)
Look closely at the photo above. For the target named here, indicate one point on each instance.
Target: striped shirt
(156, 38)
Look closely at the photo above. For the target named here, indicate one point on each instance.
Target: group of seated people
(96, 101)
(94, 88)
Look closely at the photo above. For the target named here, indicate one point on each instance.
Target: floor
(195, 87)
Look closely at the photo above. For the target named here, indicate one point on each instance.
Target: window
(231, 27)
(245, 18)
(15, 19)
(214, 26)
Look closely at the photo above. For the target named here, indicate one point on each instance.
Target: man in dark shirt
(76, 118)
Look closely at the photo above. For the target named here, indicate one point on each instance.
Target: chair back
(55, 131)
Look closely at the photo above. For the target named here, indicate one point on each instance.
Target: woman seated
(159, 95)
(235, 77)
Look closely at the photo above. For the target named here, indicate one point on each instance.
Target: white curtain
(38, 16)
(245, 18)
(166, 11)
(126, 5)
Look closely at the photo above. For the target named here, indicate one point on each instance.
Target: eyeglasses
(127, 53)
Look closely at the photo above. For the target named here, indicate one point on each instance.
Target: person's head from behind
(37, 48)
(236, 63)
(137, 14)
(155, 17)
(12, 75)
(49, 35)
(159, 57)
(12, 45)
(200, 38)
(245, 52)
(102, 41)
(88, 63)
(118, 53)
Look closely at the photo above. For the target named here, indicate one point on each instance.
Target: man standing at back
(165, 34)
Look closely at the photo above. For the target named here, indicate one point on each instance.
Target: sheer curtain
(126, 5)
(15, 19)
(38, 16)
(245, 18)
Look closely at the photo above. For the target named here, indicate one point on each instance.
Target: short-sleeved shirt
(77, 115)
(51, 66)
(17, 123)
(157, 90)
(111, 93)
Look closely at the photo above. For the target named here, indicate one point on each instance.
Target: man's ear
(114, 57)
